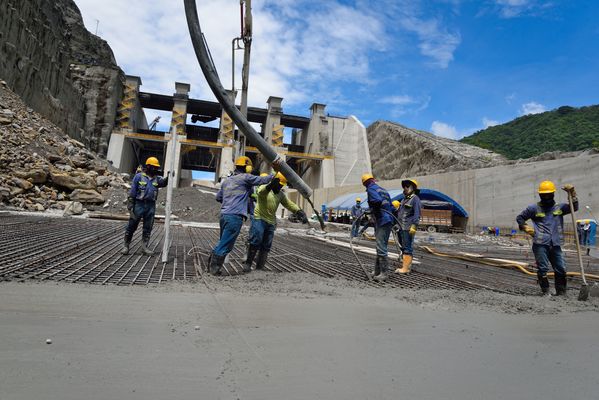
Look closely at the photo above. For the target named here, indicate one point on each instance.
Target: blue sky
(447, 66)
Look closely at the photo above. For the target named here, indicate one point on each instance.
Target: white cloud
(532, 108)
(400, 100)
(435, 41)
(517, 8)
(296, 56)
(445, 130)
(489, 122)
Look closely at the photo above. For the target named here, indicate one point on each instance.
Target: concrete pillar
(120, 153)
(225, 163)
(316, 140)
(178, 120)
(327, 172)
(129, 109)
(273, 121)
(226, 134)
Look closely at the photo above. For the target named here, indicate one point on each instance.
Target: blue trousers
(406, 240)
(261, 234)
(545, 255)
(143, 210)
(382, 239)
(230, 226)
(355, 228)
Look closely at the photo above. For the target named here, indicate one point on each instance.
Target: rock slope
(397, 151)
(43, 168)
(60, 69)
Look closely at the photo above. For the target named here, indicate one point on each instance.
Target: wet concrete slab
(294, 340)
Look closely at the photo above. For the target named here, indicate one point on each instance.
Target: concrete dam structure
(495, 196)
(325, 151)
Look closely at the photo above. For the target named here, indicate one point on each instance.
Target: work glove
(131, 207)
(413, 230)
(254, 196)
(528, 229)
(301, 215)
(570, 189)
(273, 183)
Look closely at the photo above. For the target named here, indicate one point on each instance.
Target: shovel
(583, 295)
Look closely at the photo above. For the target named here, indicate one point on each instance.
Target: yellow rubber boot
(407, 265)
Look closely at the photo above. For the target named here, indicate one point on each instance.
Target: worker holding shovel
(547, 231)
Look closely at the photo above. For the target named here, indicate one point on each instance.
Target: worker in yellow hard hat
(264, 224)
(382, 210)
(141, 203)
(547, 218)
(234, 194)
(408, 219)
(356, 214)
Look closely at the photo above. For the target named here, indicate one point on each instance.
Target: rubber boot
(247, 267)
(560, 285)
(216, 263)
(261, 261)
(384, 268)
(407, 265)
(377, 268)
(544, 284)
(126, 243)
(145, 247)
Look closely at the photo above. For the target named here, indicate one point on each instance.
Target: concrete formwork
(495, 196)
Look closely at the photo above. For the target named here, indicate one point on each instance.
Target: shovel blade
(583, 295)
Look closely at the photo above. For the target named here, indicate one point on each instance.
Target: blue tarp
(430, 199)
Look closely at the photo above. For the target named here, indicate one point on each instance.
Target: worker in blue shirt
(141, 203)
(408, 218)
(356, 213)
(548, 234)
(234, 195)
(382, 210)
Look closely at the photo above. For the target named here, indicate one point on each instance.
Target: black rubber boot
(544, 284)
(145, 246)
(377, 268)
(126, 243)
(560, 285)
(384, 268)
(216, 263)
(261, 261)
(247, 267)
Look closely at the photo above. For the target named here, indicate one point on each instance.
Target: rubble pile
(42, 168)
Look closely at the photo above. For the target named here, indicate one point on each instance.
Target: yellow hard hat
(248, 169)
(405, 182)
(396, 203)
(366, 177)
(243, 161)
(153, 161)
(264, 174)
(546, 187)
(358, 199)
(281, 178)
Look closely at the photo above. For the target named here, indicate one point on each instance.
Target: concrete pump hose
(497, 263)
(211, 75)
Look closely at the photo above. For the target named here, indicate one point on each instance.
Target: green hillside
(564, 129)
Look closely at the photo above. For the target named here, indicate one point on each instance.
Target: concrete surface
(296, 342)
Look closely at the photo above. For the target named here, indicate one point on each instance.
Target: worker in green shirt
(264, 224)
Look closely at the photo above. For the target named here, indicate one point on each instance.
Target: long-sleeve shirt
(268, 203)
(409, 212)
(145, 188)
(356, 211)
(380, 204)
(548, 222)
(235, 191)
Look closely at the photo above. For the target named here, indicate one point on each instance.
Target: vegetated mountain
(564, 129)
(397, 151)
